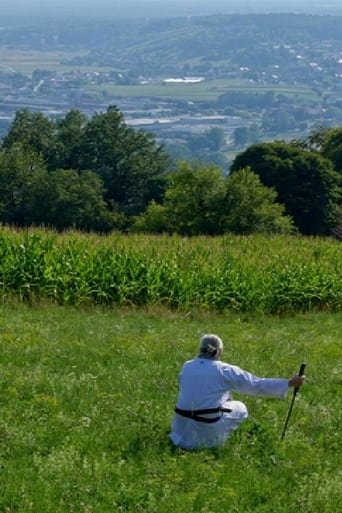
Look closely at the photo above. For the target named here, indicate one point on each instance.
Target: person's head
(211, 347)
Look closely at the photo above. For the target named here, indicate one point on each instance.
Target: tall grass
(255, 273)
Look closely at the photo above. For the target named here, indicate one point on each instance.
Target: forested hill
(201, 36)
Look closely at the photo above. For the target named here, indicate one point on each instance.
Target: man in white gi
(206, 414)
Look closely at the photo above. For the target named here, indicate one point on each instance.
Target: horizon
(171, 8)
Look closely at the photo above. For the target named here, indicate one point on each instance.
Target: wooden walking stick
(295, 392)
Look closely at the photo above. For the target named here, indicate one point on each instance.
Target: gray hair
(210, 346)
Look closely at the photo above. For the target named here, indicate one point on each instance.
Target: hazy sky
(161, 7)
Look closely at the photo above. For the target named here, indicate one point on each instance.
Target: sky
(120, 8)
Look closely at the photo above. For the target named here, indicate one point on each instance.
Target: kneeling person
(206, 414)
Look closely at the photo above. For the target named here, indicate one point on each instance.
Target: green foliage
(200, 200)
(33, 131)
(68, 152)
(87, 398)
(328, 142)
(331, 147)
(216, 136)
(100, 174)
(76, 200)
(270, 274)
(23, 185)
(278, 121)
(240, 136)
(128, 161)
(306, 183)
(250, 207)
(154, 220)
(31, 196)
(192, 199)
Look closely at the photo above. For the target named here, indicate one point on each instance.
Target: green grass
(87, 397)
(26, 61)
(203, 91)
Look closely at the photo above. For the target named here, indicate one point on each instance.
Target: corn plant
(255, 273)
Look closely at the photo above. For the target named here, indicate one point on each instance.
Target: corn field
(249, 274)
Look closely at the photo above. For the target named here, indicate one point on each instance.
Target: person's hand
(296, 381)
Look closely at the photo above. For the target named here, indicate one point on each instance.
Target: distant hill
(170, 8)
(173, 40)
(205, 32)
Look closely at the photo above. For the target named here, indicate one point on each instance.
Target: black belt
(196, 414)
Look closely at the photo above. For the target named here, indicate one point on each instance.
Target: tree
(216, 138)
(306, 183)
(189, 206)
(33, 131)
(240, 136)
(179, 151)
(250, 207)
(69, 133)
(130, 162)
(331, 147)
(277, 121)
(154, 220)
(313, 142)
(198, 142)
(23, 186)
(31, 196)
(76, 201)
(201, 200)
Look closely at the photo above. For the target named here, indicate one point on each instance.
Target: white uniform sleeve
(244, 382)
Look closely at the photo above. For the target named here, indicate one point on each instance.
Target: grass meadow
(202, 91)
(87, 397)
(93, 332)
(26, 61)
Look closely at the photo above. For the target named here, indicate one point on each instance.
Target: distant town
(266, 87)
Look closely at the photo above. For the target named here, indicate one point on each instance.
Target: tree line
(98, 174)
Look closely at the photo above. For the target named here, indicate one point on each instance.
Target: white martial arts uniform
(204, 384)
